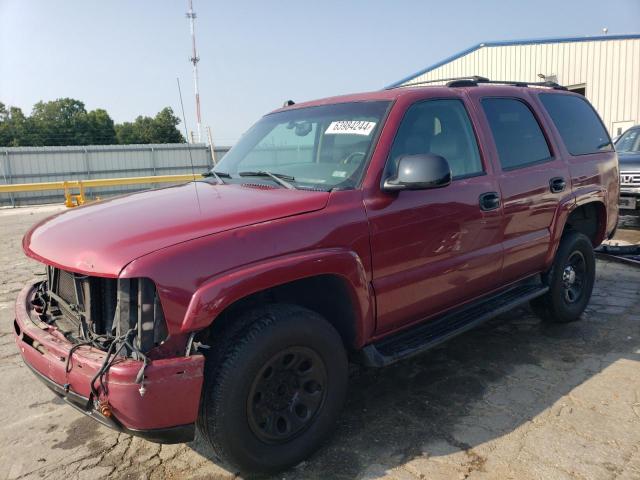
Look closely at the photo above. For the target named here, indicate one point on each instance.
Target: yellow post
(68, 201)
(80, 197)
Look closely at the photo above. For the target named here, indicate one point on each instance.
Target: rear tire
(570, 281)
(274, 387)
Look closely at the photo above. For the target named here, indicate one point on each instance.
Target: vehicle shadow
(475, 388)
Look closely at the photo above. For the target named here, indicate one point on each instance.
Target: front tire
(273, 388)
(570, 281)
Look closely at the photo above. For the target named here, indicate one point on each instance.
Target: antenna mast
(191, 15)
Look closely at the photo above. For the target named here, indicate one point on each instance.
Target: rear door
(533, 177)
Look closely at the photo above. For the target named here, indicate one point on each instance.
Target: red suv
(364, 228)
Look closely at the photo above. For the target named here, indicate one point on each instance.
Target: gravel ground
(513, 399)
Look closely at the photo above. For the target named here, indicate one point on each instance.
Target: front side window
(440, 127)
(629, 142)
(578, 124)
(516, 132)
(321, 147)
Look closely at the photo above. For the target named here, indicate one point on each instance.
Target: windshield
(629, 141)
(316, 147)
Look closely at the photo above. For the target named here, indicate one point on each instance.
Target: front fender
(226, 288)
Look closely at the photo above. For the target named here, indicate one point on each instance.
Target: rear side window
(580, 128)
(518, 137)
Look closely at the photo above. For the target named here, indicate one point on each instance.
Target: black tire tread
(222, 362)
(225, 350)
(546, 307)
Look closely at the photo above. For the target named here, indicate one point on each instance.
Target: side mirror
(419, 172)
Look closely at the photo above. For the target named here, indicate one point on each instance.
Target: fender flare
(565, 208)
(221, 291)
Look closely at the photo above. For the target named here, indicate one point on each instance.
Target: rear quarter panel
(594, 177)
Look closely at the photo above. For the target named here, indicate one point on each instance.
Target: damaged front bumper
(167, 411)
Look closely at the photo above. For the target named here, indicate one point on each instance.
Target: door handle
(557, 184)
(489, 201)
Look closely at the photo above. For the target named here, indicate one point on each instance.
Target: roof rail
(518, 83)
(474, 80)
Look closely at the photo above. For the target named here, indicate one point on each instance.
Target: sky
(125, 55)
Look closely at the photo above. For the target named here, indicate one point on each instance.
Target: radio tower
(191, 15)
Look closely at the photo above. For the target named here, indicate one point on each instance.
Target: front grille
(630, 179)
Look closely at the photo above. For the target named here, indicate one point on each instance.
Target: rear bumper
(167, 411)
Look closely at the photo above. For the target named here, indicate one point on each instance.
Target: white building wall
(610, 70)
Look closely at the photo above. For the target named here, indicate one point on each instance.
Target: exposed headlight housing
(83, 307)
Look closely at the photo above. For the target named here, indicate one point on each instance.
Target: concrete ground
(513, 399)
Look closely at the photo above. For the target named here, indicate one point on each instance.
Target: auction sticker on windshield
(346, 127)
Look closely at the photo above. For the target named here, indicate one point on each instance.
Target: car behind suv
(628, 148)
(364, 228)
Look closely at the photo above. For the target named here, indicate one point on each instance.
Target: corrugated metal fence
(48, 164)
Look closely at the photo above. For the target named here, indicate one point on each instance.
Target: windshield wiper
(213, 173)
(217, 175)
(279, 178)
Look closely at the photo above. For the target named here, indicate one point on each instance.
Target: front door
(434, 249)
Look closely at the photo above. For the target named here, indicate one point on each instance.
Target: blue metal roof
(503, 43)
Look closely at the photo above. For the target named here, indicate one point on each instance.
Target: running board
(424, 336)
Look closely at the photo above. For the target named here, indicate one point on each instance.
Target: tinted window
(440, 127)
(516, 132)
(579, 126)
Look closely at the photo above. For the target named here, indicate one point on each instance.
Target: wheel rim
(574, 276)
(287, 394)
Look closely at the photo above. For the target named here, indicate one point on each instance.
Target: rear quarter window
(579, 126)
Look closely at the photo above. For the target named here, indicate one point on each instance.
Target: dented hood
(101, 239)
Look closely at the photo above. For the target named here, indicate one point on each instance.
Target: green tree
(126, 133)
(163, 128)
(65, 121)
(5, 134)
(60, 122)
(13, 127)
(101, 127)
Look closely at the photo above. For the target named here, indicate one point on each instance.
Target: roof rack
(474, 80)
